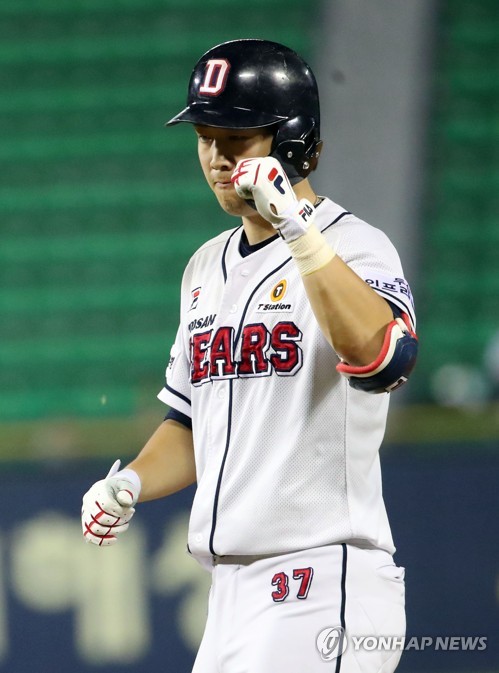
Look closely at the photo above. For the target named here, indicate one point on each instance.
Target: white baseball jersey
(286, 451)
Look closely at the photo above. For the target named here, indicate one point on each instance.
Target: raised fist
(264, 182)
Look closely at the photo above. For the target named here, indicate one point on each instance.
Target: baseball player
(294, 326)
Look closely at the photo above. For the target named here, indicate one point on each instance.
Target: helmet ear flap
(297, 147)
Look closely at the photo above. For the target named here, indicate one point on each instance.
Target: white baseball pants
(315, 611)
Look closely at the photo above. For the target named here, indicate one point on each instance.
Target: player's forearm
(166, 463)
(351, 315)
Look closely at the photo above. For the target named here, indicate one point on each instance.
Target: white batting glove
(264, 182)
(108, 506)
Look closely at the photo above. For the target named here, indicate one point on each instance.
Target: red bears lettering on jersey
(262, 352)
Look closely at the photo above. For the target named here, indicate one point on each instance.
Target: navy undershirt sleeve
(397, 313)
(178, 416)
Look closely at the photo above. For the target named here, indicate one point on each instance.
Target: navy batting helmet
(256, 83)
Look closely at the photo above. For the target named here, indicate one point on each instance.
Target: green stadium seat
(92, 255)
(458, 314)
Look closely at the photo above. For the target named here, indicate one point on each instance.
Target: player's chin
(232, 203)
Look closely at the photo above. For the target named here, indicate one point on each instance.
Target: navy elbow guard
(393, 365)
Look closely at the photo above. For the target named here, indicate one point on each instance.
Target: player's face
(219, 151)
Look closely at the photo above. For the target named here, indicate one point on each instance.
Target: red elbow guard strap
(394, 363)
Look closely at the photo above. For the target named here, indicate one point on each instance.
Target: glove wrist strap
(295, 221)
(131, 476)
